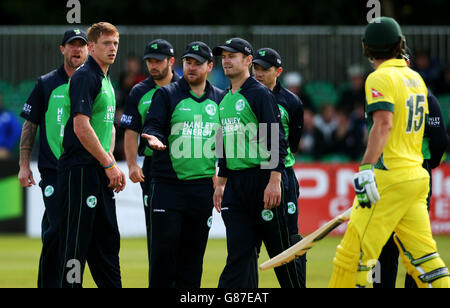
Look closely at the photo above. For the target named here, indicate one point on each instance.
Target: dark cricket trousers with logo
(89, 230)
(247, 224)
(146, 196)
(48, 275)
(181, 217)
(291, 195)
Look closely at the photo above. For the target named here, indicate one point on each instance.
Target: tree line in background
(208, 12)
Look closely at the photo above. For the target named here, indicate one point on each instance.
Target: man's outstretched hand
(154, 143)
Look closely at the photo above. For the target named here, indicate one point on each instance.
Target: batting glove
(365, 186)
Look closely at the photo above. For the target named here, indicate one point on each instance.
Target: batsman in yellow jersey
(391, 185)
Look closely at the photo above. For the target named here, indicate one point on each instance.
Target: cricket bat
(307, 243)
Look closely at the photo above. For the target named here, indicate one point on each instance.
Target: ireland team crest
(209, 222)
(146, 200)
(48, 191)
(291, 208)
(240, 105)
(211, 109)
(91, 201)
(267, 215)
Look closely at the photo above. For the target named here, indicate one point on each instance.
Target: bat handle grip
(346, 214)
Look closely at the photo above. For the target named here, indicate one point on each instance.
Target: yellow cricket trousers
(402, 209)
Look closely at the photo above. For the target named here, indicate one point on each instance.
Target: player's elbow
(386, 127)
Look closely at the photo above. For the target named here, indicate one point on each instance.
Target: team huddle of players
(182, 126)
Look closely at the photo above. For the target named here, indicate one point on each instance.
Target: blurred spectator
(429, 68)
(178, 68)
(326, 121)
(346, 139)
(218, 78)
(312, 142)
(354, 97)
(293, 81)
(10, 131)
(128, 78)
(443, 84)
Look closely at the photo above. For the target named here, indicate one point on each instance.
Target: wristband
(110, 166)
(366, 167)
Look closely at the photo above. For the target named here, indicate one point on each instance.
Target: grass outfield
(19, 257)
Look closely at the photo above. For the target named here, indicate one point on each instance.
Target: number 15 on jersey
(416, 113)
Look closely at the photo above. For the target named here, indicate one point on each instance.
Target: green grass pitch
(19, 257)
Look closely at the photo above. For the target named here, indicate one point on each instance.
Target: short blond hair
(100, 28)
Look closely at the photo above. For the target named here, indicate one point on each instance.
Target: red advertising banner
(326, 190)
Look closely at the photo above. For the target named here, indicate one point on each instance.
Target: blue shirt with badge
(91, 94)
(48, 106)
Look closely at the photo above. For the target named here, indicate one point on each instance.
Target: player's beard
(233, 72)
(229, 72)
(233, 75)
(74, 63)
(160, 75)
(197, 80)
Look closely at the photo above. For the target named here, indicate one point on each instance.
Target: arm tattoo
(27, 141)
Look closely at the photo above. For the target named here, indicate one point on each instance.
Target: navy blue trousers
(146, 197)
(48, 274)
(180, 220)
(291, 195)
(89, 230)
(247, 224)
